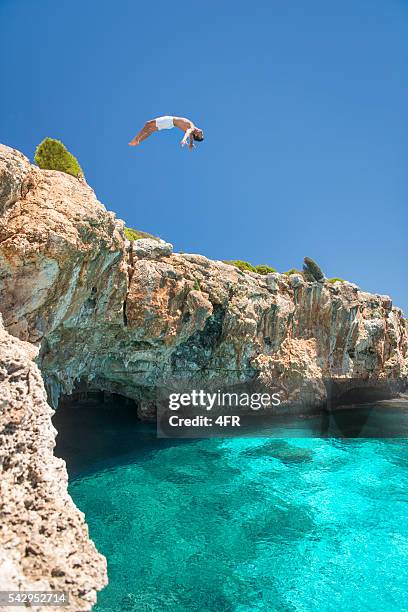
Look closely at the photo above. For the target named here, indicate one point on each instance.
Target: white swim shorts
(164, 123)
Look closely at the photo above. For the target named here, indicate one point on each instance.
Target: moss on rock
(133, 234)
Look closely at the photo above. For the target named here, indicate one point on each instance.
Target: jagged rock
(312, 271)
(14, 169)
(272, 281)
(296, 280)
(151, 249)
(386, 302)
(294, 367)
(44, 541)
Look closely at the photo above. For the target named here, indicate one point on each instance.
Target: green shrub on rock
(132, 234)
(244, 266)
(335, 280)
(293, 271)
(264, 269)
(53, 155)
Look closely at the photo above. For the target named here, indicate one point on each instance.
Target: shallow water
(248, 524)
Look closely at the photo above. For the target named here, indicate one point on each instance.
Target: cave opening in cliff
(363, 395)
(95, 427)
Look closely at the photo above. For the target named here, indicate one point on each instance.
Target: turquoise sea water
(240, 525)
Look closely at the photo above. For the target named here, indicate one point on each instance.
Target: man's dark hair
(199, 136)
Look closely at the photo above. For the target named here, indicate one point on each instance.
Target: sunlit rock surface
(44, 541)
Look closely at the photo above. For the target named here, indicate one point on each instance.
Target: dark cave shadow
(93, 436)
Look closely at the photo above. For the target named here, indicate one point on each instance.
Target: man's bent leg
(144, 133)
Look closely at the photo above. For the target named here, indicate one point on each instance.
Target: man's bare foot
(133, 143)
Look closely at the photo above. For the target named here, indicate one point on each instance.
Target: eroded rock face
(187, 316)
(61, 252)
(44, 541)
(130, 318)
(151, 248)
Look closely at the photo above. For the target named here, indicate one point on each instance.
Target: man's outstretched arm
(188, 136)
(148, 129)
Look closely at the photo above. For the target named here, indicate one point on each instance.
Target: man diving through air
(191, 132)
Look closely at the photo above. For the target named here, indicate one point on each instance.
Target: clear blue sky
(304, 105)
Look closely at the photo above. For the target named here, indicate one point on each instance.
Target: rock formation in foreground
(130, 317)
(44, 542)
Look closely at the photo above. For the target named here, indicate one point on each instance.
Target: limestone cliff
(44, 542)
(128, 317)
